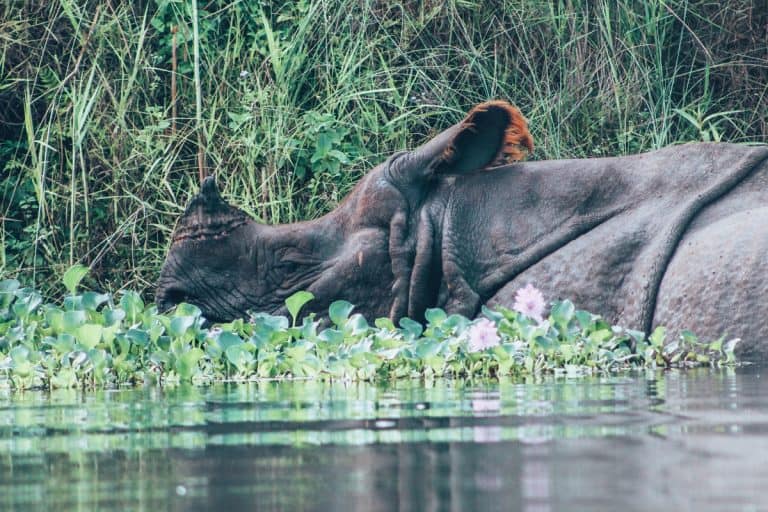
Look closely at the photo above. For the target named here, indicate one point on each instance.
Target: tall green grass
(290, 102)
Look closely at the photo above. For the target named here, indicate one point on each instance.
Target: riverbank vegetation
(110, 111)
(97, 340)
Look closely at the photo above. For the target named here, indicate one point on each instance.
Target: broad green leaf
(435, 363)
(73, 276)
(186, 365)
(435, 316)
(411, 327)
(185, 309)
(562, 312)
(688, 337)
(109, 332)
(385, 323)
(459, 322)
(584, 318)
(427, 347)
(543, 342)
(299, 349)
(62, 343)
(601, 335)
(26, 303)
(309, 329)
(133, 306)
(8, 288)
(113, 316)
(657, 337)
(92, 300)
(229, 339)
(19, 354)
(73, 302)
(160, 358)
(138, 337)
(55, 319)
(339, 312)
(387, 342)
(491, 314)
(239, 356)
(156, 330)
(638, 336)
(356, 325)
(180, 325)
(332, 336)
(89, 335)
(295, 302)
(72, 320)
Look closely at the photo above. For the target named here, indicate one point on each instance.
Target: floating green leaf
(339, 312)
(435, 316)
(186, 365)
(132, 305)
(77, 345)
(73, 276)
(180, 325)
(295, 302)
(92, 300)
(89, 335)
(138, 337)
(658, 336)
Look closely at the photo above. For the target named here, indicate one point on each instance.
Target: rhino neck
(295, 257)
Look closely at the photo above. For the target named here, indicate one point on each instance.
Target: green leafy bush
(95, 340)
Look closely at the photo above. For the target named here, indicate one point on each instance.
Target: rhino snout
(169, 297)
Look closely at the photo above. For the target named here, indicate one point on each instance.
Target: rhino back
(601, 231)
(717, 281)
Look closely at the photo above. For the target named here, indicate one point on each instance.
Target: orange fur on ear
(517, 142)
(516, 136)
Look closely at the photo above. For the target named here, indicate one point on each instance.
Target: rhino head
(364, 251)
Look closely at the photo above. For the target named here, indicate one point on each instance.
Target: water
(692, 440)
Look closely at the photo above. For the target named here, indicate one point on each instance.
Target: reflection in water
(683, 440)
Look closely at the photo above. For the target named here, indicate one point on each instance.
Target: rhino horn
(210, 190)
(208, 215)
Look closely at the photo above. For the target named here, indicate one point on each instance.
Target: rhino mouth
(168, 298)
(222, 311)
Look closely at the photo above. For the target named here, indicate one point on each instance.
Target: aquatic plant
(483, 335)
(95, 339)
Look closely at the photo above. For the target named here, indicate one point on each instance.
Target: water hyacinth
(530, 302)
(95, 340)
(482, 335)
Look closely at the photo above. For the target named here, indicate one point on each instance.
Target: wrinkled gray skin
(677, 237)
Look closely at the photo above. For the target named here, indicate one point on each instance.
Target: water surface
(693, 440)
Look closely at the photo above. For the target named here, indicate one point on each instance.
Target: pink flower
(482, 335)
(530, 302)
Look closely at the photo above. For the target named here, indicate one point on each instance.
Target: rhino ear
(493, 133)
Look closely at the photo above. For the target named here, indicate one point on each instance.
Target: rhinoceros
(676, 236)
